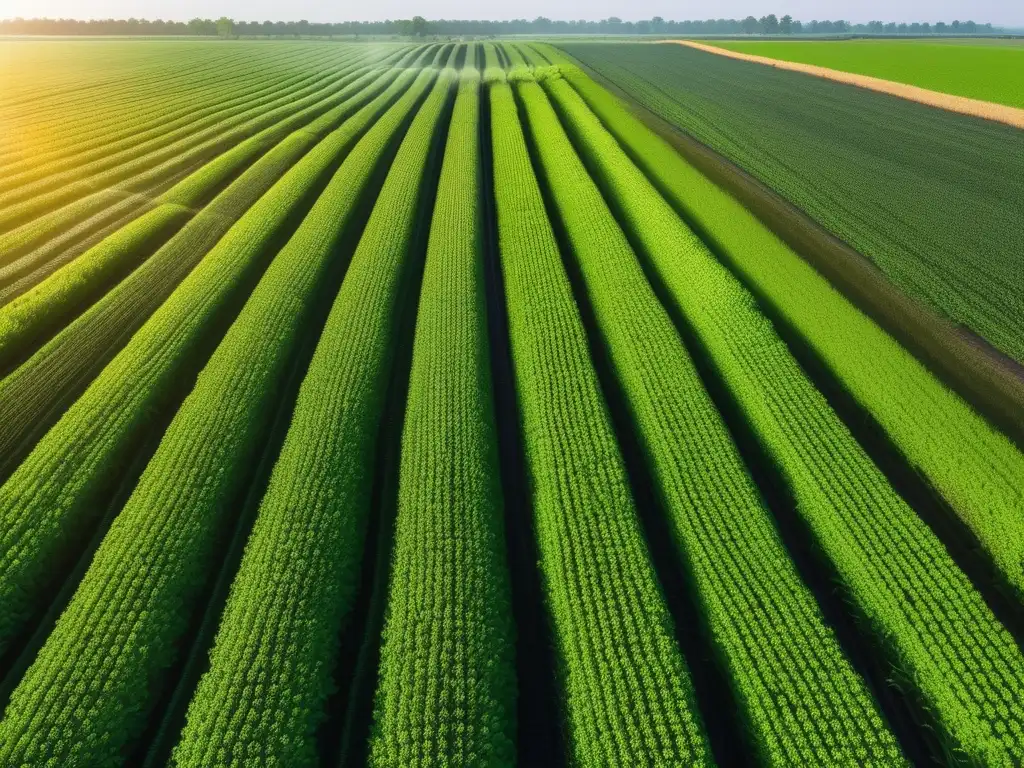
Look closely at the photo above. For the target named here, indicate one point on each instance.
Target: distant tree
(770, 24)
(465, 29)
(225, 27)
(876, 27)
(940, 27)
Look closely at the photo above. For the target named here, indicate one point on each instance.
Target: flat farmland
(415, 403)
(964, 68)
(932, 198)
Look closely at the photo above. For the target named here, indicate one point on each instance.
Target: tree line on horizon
(419, 26)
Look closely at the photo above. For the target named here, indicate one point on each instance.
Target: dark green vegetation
(932, 198)
(977, 71)
(450, 405)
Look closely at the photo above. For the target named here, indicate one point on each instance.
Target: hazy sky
(1008, 12)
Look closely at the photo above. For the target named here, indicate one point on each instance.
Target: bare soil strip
(974, 107)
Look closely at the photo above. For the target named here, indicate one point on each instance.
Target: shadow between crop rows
(718, 708)
(538, 716)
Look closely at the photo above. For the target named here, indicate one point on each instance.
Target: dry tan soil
(975, 107)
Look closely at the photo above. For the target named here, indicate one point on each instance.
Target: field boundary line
(987, 110)
(991, 381)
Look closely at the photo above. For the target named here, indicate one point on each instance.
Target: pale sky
(999, 12)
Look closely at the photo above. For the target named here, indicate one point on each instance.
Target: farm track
(992, 382)
(862, 166)
(419, 402)
(986, 110)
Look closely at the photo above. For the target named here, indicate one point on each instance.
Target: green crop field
(417, 404)
(932, 198)
(986, 72)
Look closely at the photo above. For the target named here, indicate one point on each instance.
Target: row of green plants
(627, 695)
(931, 197)
(89, 202)
(974, 467)
(271, 666)
(51, 498)
(35, 394)
(136, 109)
(30, 319)
(136, 171)
(446, 689)
(103, 662)
(46, 176)
(802, 700)
(928, 619)
(630, 281)
(56, 240)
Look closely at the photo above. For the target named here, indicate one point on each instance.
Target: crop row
(447, 682)
(55, 240)
(30, 318)
(627, 693)
(37, 391)
(935, 628)
(802, 699)
(45, 175)
(271, 667)
(135, 109)
(65, 205)
(932, 198)
(50, 498)
(242, 340)
(120, 629)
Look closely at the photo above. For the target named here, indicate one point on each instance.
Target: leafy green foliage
(187, 248)
(41, 215)
(120, 628)
(51, 498)
(32, 316)
(627, 693)
(447, 679)
(935, 628)
(253, 702)
(64, 366)
(931, 197)
(804, 702)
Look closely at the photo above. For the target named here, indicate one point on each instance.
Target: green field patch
(976, 71)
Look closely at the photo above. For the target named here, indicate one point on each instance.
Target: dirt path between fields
(974, 107)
